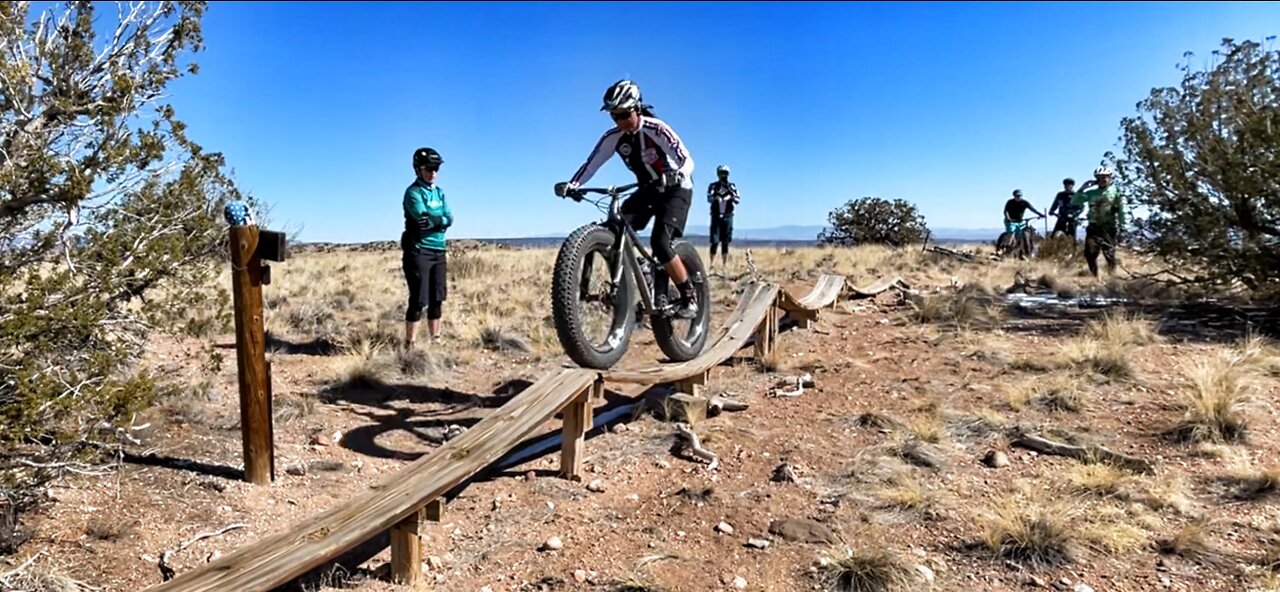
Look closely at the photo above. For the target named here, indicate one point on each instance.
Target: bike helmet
(1017, 193)
(1102, 171)
(426, 157)
(723, 170)
(623, 95)
(1068, 181)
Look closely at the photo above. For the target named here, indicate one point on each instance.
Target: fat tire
(592, 238)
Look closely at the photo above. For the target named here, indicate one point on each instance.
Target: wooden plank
(756, 301)
(434, 512)
(573, 439)
(693, 385)
(766, 335)
(880, 286)
(825, 293)
(406, 550)
(278, 559)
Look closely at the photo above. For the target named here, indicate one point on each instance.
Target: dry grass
(1090, 355)
(970, 307)
(910, 495)
(1252, 485)
(1056, 392)
(100, 529)
(1218, 401)
(1033, 532)
(1120, 330)
(292, 407)
(865, 570)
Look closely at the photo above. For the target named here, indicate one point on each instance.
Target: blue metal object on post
(237, 213)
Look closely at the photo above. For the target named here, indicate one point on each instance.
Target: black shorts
(722, 229)
(426, 273)
(670, 208)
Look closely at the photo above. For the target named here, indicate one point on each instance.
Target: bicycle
(1021, 242)
(626, 264)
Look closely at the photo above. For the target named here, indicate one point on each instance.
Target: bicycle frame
(627, 246)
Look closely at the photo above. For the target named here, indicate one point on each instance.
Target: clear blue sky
(318, 107)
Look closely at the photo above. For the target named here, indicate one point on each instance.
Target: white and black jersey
(722, 197)
(653, 149)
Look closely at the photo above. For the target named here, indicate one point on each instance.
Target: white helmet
(624, 94)
(722, 169)
(1102, 171)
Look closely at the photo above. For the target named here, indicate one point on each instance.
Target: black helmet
(426, 157)
(1068, 181)
(1017, 193)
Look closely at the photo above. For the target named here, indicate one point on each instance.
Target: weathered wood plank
(824, 293)
(756, 301)
(278, 559)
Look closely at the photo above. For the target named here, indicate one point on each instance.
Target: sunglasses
(435, 168)
(619, 115)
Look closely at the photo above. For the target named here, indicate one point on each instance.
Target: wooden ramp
(401, 501)
(755, 305)
(805, 309)
(278, 559)
(880, 286)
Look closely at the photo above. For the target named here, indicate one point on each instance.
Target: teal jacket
(426, 217)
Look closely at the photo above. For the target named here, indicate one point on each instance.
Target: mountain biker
(663, 168)
(1067, 214)
(723, 197)
(1014, 209)
(1106, 218)
(426, 217)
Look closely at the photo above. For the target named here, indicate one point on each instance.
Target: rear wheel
(593, 316)
(683, 339)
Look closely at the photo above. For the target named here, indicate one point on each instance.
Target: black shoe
(686, 308)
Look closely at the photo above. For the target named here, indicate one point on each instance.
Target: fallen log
(1090, 453)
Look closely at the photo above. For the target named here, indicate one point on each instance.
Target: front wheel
(593, 315)
(683, 339)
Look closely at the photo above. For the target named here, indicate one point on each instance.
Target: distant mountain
(791, 234)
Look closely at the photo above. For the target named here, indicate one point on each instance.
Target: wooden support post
(693, 385)
(597, 390)
(406, 549)
(435, 510)
(767, 335)
(577, 422)
(255, 404)
(805, 320)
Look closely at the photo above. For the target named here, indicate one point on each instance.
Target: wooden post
(577, 422)
(693, 385)
(255, 404)
(406, 549)
(767, 334)
(435, 510)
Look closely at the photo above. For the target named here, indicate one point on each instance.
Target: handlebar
(562, 190)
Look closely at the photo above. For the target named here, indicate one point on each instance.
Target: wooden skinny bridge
(400, 502)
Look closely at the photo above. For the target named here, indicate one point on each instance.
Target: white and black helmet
(1102, 171)
(723, 170)
(623, 95)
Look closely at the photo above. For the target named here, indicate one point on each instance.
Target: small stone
(596, 486)
(486, 589)
(739, 582)
(1165, 582)
(553, 544)
(296, 470)
(530, 476)
(1034, 582)
(1083, 588)
(435, 563)
(995, 459)
(619, 428)
(724, 528)
(662, 464)
(321, 440)
(633, 498)
(580, 576)
(925, 573)
(213, 556)
(758, 543)
(337, 437)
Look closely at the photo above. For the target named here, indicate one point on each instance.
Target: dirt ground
(884, 463)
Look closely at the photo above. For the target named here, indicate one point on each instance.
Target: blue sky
(318, 107)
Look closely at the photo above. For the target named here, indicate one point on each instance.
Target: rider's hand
(671, 178)
(568, 189)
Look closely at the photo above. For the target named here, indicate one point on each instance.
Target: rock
(596, 486)
(553, 544)
(619, 428)
(1034, 582)
(321, 440)
(296, 470)
(926, 574)
(662, 464)
(784, 473)
(213, 556)
(995, 459)
(530, 476)
(633, 497)
(1082, 588)
(580, 576)
(802, 531)
(739, 582)
(724, 528)
(758, 543)
(435, 563)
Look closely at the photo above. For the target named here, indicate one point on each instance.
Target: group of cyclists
(661, 163)
(1105, 216)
